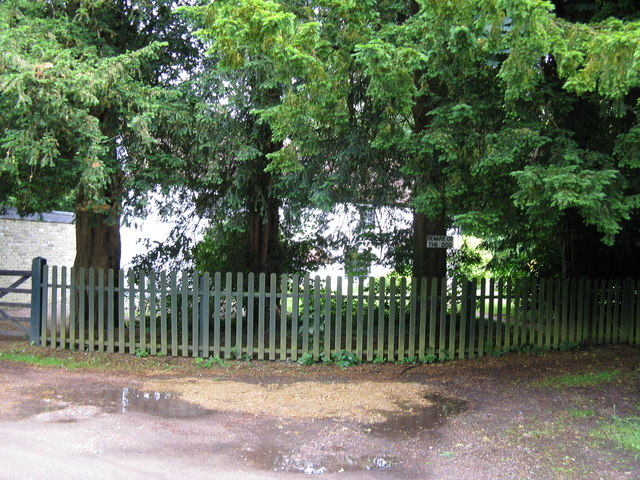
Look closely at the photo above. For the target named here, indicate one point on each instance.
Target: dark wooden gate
(15, 316)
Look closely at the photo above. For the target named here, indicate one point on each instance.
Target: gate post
(36, 300)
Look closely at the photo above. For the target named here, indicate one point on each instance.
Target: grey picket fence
(284, 317)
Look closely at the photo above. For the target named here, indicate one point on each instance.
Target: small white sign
(439, 241)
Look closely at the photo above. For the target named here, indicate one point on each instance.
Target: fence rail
(8, 305)
(277, 318)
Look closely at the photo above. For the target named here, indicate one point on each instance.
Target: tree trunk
(98, 225)
(97, 239)
(428, 262)
(263, 240)
(263, 209)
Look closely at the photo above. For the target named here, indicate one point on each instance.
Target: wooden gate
(15, 316)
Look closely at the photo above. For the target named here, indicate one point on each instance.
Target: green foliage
(344, 359)
(142, 352)
(407, 361)
(209, 362)
(579, 380)
(568, 346)
(625, 432)
(581, 413)
(306, 359)
(378, 360)
(44, 361)
(429, 358)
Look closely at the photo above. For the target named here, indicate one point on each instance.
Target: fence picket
(349, 332)
(433, 302)
(616, 324)
(511, 316)
(101, 309)
(391, 351)
(132, 312)
(359, 319)
(111, 311)
(540, 312)
(394, 320)
(381, 323)
(316, 318)
(481, 314)
(121, 323)
(205, 315)
(453, 319)
(261, 309)
(195, 315)
(54, 306)
(217, 306)
(152, 314)
(306, 290)
(184, 326)
(337, 342)
(163, 314)
(327, 318)
(464, 311)
(73, 306)
(228, 311)
(142, 307)
(239, 316)
(422, 335)
(45, 305)
(272, 316)
(295, 306)
(250, 312)
(284, 300)
(92, 298)
(473, 335)
(442, 353)
(402, 317)
(371, 304)
(527, 318)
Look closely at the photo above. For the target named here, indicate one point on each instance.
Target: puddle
(412, 419)
(129, 400)
(117, 400)
(277, 461)
(157, 403)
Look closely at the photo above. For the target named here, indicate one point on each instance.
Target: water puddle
(118, 400)
(412, 419)
(278, 461)
(161, 404)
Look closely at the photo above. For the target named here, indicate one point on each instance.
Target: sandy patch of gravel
(363, 401)
(68, 414)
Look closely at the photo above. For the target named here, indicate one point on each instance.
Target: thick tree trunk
(263, 242)
(263, 211)
(98, 225)
(97, 240)
(428, 262)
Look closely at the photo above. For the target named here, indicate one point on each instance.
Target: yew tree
(80, 82)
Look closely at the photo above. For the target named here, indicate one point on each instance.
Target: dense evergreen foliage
(515, 121)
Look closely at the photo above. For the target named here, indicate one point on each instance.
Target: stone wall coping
(54, 216)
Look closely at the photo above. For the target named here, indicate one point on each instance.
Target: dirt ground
(496, 418)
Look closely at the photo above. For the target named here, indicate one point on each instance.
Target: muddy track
(480, 419)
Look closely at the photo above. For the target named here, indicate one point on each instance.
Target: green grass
(578, 413)
(43, 361)
(588, 379)
(625, 432)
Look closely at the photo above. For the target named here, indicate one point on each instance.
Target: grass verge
(624, 432)
(588, 379)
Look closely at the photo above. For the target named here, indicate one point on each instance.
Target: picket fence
(282, 318)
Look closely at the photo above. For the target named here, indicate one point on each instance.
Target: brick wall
(50, 235)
